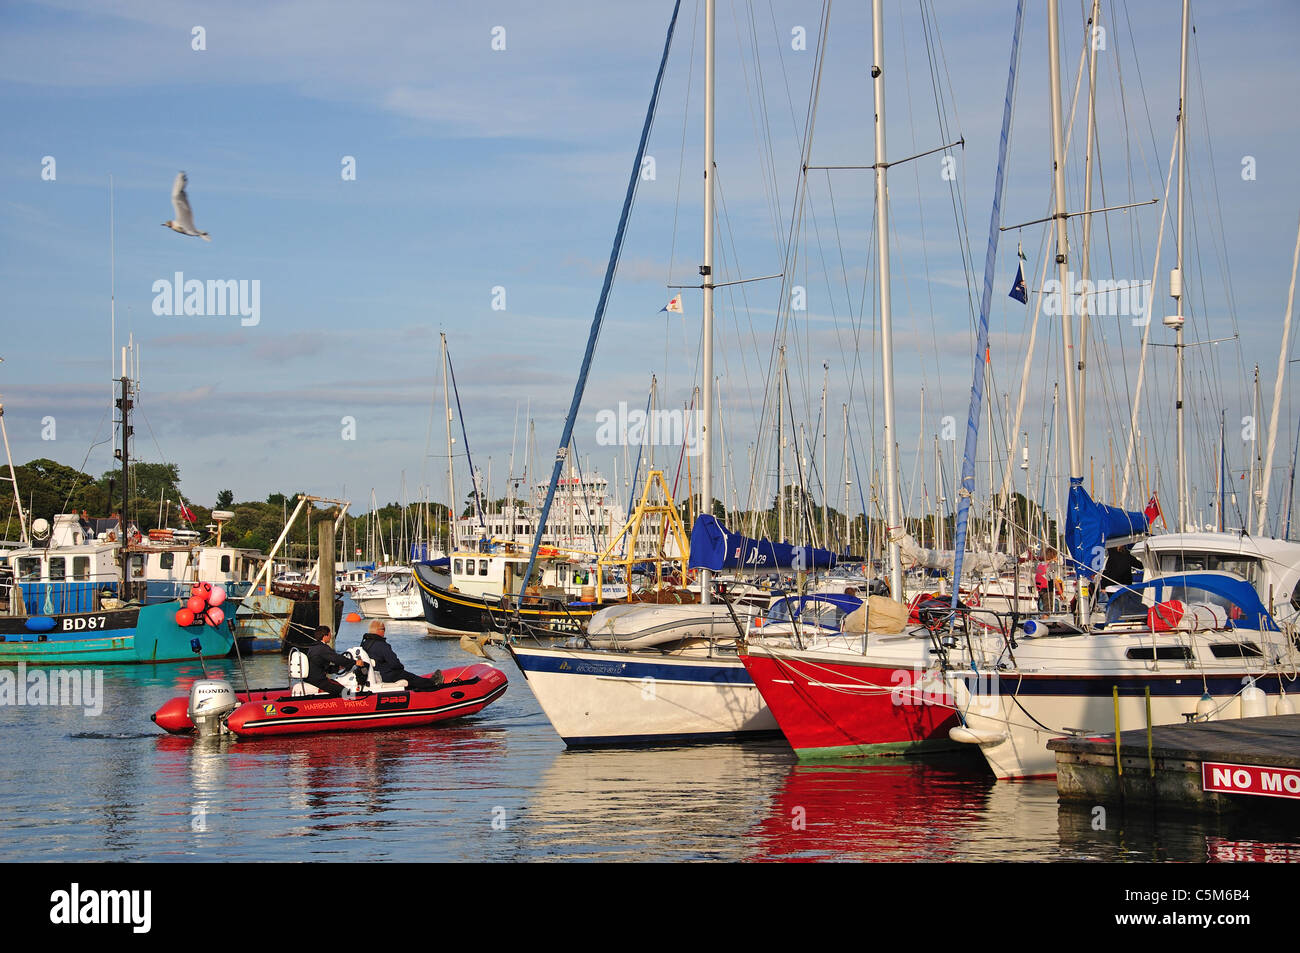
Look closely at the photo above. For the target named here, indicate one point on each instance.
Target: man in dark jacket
(1118, 571)
(323, 661)
(390, 666)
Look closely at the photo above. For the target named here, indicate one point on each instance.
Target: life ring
(111, 537)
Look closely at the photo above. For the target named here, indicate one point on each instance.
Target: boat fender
(39, 623)
(1206, 708)
(1254, 703)
(984, 737)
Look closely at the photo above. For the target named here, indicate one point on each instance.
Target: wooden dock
(1216, 766)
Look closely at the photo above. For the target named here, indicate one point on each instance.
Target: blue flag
(1018, 290)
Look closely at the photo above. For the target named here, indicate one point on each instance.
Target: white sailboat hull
(1066, 685)
(404, 605)
(611, 698)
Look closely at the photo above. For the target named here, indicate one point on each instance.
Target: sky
(391, 172)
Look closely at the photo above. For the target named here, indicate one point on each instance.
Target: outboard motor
(211, 700)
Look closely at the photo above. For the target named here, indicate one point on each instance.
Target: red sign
(1250, 851)
(1250, 779)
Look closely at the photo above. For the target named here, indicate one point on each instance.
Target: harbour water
(502, 787)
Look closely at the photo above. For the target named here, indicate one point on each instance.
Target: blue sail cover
(1232, 589)
(1089, 525)
(716, 549)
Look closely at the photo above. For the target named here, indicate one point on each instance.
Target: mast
(1063, 240)
(451, 477)
(780, 445)
(124, 454)
(1221, 494)
(848, 539)
(13, 478)
(1254, 454)
(886, 312)
(939, 497)
(1277, 393)
(826, 539)
(1176, 279)
(706, 272)
(1087, 219)
(1062, 259)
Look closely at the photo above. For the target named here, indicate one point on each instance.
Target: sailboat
(873, 690)
(689, 686)
(1205, 647)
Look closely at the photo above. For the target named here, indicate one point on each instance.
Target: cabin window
(166, 560)
(57, 569)
(29, 568)
(81, 568)
(1236, 650)
(137, 567)
(1247, 567)
(482, 567)
(225, 563)
(458, 568)
(1177, 653)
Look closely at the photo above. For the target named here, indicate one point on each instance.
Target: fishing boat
(78, 597)
(123, 636)
(485, 591)
(212, 706)
(471, 596)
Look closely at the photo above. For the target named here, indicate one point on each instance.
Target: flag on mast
(1018, 289)
(674, 306)
(1152, 509)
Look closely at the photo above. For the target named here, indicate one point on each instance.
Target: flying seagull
(184, 222)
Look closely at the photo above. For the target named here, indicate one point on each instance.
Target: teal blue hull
(119, 637)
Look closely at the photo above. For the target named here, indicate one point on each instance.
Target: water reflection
(860, 810)
(501, 786)
(653, 804)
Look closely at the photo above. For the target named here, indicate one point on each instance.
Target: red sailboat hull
(831, 709)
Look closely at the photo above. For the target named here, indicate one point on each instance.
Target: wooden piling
(325, 529)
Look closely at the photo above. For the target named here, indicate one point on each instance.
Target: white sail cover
(942, 559)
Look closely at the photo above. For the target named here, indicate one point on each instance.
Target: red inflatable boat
(466, 690)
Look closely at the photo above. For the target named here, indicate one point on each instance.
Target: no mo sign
(1250, 779)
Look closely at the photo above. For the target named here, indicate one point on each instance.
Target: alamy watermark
(215, 297)
(131, 908)
(920, 686)
(1105, 297)
(659, 428)
(65, 688)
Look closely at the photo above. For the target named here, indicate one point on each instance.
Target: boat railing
(507, 620)
(62, 597)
